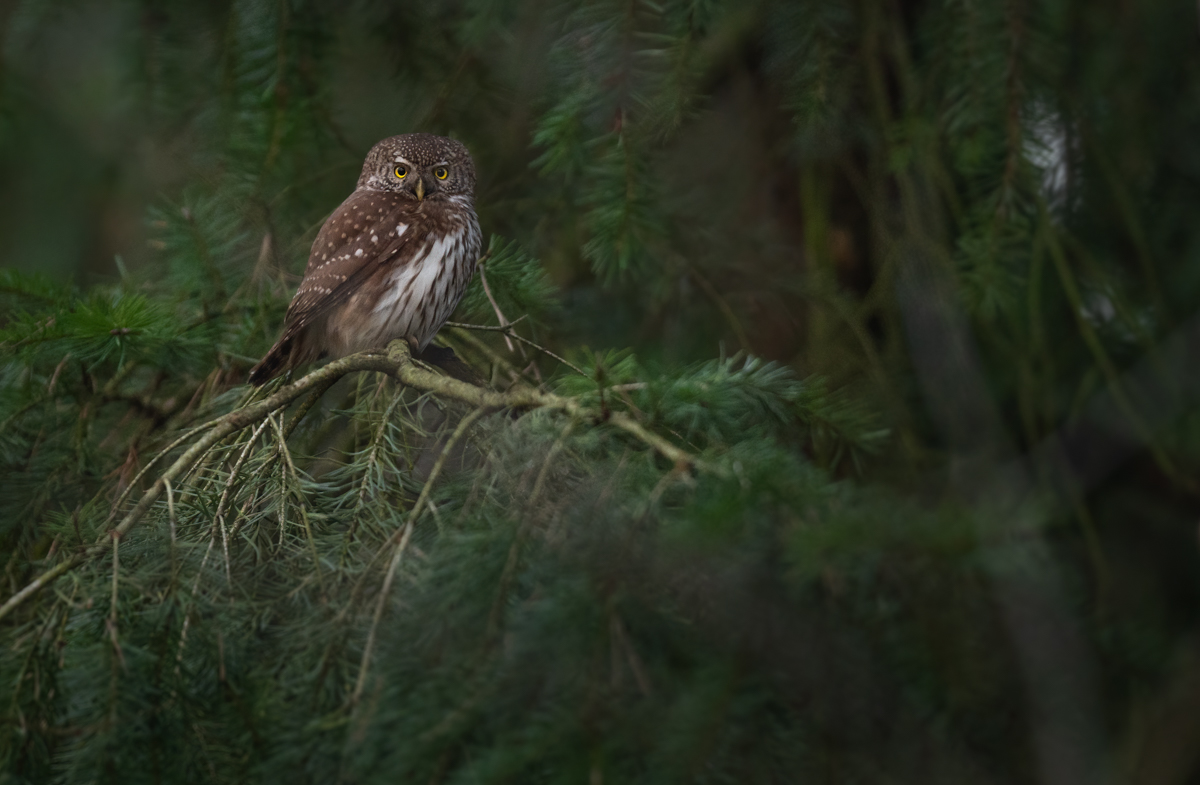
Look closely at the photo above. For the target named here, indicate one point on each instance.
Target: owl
(391, 262)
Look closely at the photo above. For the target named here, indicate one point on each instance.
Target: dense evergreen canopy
(836, 423)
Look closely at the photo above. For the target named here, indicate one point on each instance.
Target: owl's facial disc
(443, 165)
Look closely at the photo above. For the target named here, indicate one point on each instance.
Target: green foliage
(518, 283)
(877, 464)
(621, 223)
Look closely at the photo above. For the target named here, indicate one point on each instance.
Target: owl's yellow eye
(401, 172)
(441, 173)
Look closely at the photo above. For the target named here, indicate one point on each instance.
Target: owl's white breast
(418, 296)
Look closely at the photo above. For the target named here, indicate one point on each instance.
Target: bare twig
(495, 306)
(54, 377)
(137, 478)
(171, 510)
(489, 328)
(514, 551)
(370, 467)
(403, 535)
(287, 456)
(723, 305)
(544, 350)
(219, 518)
(509, 332)
(112, 616)
(497, 362)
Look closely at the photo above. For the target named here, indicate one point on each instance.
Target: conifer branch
(398, 363)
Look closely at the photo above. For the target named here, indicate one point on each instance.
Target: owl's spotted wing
(368, 230)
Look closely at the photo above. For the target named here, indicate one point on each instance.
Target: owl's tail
(271, 365)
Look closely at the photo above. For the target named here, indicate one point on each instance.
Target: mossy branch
(397, 363)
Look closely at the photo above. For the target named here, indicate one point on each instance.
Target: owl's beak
(420, 188)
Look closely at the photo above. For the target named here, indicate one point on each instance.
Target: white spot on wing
(401, 229)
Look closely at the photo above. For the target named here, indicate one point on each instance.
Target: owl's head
(421, 166)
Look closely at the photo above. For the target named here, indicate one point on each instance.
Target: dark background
(976, 221)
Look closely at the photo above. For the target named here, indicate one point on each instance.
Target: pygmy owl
(391, 262)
